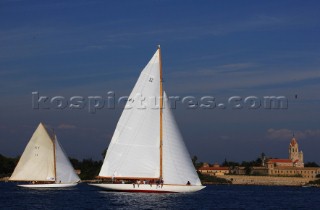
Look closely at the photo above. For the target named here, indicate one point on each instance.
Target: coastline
(243, 180)
(267, 180)
(4, 179)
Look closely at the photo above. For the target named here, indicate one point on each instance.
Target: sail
(64, 170)
(177, 165)
(134, 147)
(37, 160)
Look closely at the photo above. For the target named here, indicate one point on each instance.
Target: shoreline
(267, 180)
(243, 180)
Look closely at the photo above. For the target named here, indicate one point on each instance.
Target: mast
(161, 107)
(54, 158)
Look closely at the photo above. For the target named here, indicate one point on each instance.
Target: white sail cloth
(65, 171)
(134, 150)
(41, 161)
(177, 165)
(37, 160)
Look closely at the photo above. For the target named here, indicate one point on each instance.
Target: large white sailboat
(147, 152)
(43, 163)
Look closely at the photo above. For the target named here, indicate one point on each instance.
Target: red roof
(214, 168)
(280, 160)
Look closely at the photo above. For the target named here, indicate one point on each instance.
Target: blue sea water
(84, 196)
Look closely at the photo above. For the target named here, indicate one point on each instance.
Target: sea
(84, 196)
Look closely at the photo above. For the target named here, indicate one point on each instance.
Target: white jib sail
(64, 170)
(177, 165)
(134, 148)
(37, 160)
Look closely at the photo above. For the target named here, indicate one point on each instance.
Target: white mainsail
(37, 160)
(44, 160)
(134, 148)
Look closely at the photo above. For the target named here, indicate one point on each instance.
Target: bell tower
(295, 155)
(293, 150)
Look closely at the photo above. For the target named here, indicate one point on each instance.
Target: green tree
(229, 163)
(90, 169)
(7, 165)
(194, 160)
(195, 163)
(311, 164)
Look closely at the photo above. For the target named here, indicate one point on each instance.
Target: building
(279, 163)
(214, 170)
(295, 155)
(309, 172)
(293, 166)
(239, 170)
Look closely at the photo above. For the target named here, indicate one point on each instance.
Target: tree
(89, 169)
(311, 164)
(229, 163)
(258, 162)
(7, 165)
(75, 163)
(195, 163)
(248, 170)
(194, 160)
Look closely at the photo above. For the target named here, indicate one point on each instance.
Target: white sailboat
(43, 163)
(147, 145)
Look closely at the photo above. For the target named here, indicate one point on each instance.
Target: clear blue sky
(218, 48)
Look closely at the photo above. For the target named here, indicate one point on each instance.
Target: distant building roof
(280, 161)
(214, 168)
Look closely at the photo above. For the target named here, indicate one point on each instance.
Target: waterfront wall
(267, 180)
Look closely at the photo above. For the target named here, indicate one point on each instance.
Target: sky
(209, 48)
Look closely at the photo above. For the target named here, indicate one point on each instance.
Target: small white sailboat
(147, 146)
(44, 164)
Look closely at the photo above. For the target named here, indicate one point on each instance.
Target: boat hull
(47, 185)
(146, 188)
